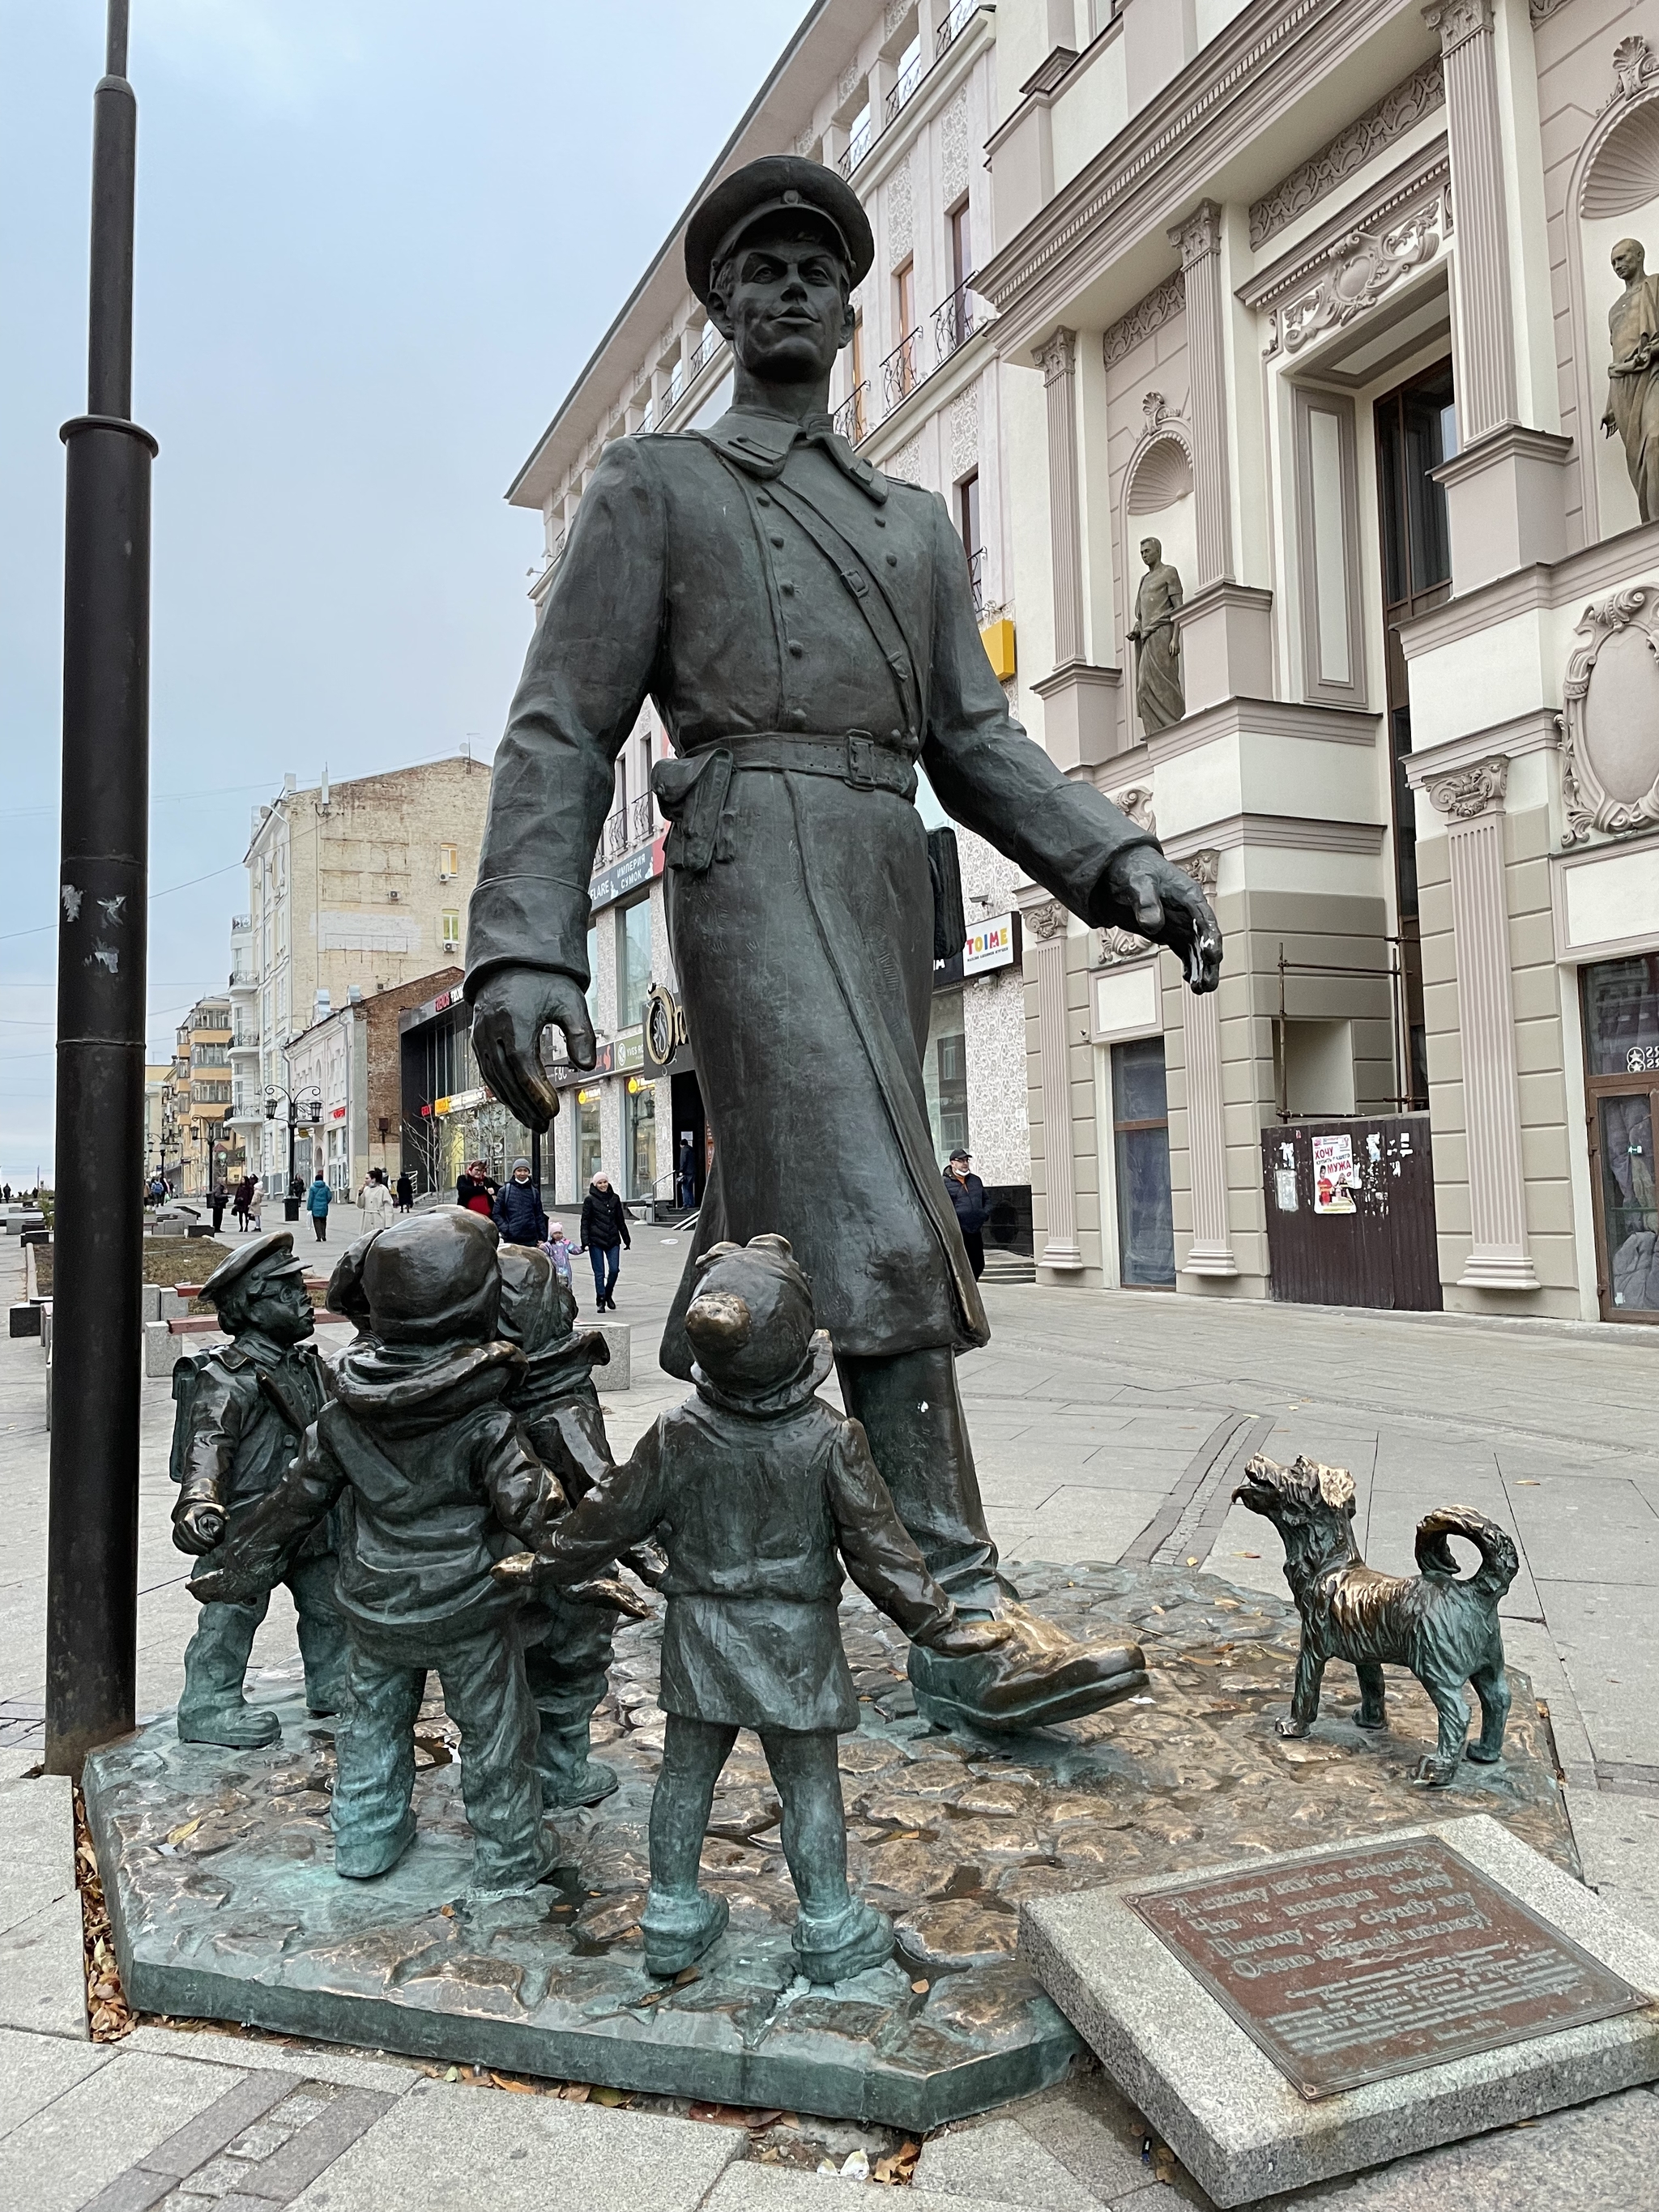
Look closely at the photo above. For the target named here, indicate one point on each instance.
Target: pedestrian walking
(519, 1214)
(688, 1173)
(375, 1200)
(256, 1191)
(604, 1232)
(406, 1194)
(967, 1194)
(319, 1199)
(242, 1203)
(475, 1189)
(218, 1199)
(556, 1245)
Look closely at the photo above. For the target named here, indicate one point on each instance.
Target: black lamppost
(305, 1105)
(92, 1550)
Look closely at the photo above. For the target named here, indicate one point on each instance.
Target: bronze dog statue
(1444, 1629)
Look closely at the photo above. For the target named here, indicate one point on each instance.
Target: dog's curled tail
(1499, 1564)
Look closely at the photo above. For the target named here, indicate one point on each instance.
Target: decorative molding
(893, 14)
(804, 141)
(1155, 407)
(901, 226)
(1137, 804)
(1204, 866)
(1211, 1252)
(1458, 20)
(1197, 234)
(1057, 355)
(1120, 945)
(1633, 64)
(1543, 10)
(1146, 316)
(1585, 800)
(1049, 920)
(1200, 239)
(962, 431)
(1295, 833)
(954, 147)
(1399, 110)
(851, 78)
(1535, 731)
(1465, 792)
(1390, 199)
(1359, 271)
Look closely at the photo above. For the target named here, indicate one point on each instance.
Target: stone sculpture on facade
(241, 1411)
(1633, 407)
(432, 1482)
(762, 1490)
(1445, 1630)
(557, 1406)
(806, 628)
(1160, 695)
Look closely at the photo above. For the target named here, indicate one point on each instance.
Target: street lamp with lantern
(305, 1105)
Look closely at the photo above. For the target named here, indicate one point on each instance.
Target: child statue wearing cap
(760, 1492)
(432, 1482)
(241, 1411)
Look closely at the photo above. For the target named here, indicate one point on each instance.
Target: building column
(1045, 937)
(1057, 359)
(1486, 398)
(1225, 627)
(1211, 1249)
(1472, 800)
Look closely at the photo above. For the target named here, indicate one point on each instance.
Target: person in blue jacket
(319, 1199)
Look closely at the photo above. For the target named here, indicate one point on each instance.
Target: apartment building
(1317, 293)
(354, 889)
(194, 1103)
(902, 99)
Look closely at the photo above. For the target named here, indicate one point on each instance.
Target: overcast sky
(376, 240)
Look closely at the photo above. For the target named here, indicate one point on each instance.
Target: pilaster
(1057, 359)
(1045, 922)
(1472, 799)
(1487, 381)
(1211, 1252)
(1199, 238)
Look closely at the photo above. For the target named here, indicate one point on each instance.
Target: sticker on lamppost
(1335, 1176)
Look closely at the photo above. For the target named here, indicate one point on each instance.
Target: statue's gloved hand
(648, 1561)
(524, 1571)
(199, 1528)
(513, 1007)
(966, 1639)
(224, 1586)
(1170, 909)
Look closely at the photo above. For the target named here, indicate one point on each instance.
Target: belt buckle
(860, 760)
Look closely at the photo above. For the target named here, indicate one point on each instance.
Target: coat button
(795, 719)
(796, 650)
(762, 499)
(788, 589)
(881, 522)
(892, 560)
(777, 541)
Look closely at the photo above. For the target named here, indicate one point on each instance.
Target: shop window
(1620, 1001)
(642, 1115)
(589, 1157)
(945, 1074)
(593, 993)
(1141, 1141)
(633, 960)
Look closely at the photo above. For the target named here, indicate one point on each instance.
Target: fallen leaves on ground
(894, 2170)
(107, 2009)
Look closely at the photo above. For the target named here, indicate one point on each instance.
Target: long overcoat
(776, 596)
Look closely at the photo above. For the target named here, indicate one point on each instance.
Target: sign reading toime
(1376, 1961)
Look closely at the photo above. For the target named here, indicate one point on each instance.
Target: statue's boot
(212, 1708)
(569, 1776)
(361, 1854)
(855, 1939)
(679, 1930)
(1039, 1677)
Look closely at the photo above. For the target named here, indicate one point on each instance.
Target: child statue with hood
(434, 1482)
(760, 1492)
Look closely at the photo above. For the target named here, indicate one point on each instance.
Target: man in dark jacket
(519, 1214)
(604, 1232)
(967, 1194)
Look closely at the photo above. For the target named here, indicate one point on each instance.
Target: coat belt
(695, 793)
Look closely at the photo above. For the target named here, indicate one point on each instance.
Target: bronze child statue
(558, 1409)
(1445, 1630)
(432, 1482)
(760, 1491)
(241, 1410)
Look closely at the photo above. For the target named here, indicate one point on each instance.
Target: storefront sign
(459, 1101)
(641, 866)
(990, 944)
(663, 1028)
(628, 1050)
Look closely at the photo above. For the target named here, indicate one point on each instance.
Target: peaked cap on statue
(777, 184)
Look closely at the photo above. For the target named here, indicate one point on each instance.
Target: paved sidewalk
(1106, 1426)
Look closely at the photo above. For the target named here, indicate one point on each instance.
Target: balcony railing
(631, 824)
(953, 323)
(851, 420)
(961, 14)
(643, 820)
(707, 347)
(976, 577)
(900, 374)
(904, 89)
(857, 147)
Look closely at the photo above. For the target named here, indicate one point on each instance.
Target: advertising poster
(1334, 1175)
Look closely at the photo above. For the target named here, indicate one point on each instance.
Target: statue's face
(784, 306)
(1628, 259)
(1151, 552)
(281, 1308)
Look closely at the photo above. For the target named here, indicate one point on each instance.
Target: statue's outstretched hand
(1170, 909)
(513, 1007)
(199, 1528)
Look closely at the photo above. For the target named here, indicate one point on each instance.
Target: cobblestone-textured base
(218, 1866)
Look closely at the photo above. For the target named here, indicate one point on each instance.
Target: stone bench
(163, 1340)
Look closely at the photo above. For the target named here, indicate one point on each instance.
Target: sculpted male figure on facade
(1632, 407)
(805, 628)
(1159, 693)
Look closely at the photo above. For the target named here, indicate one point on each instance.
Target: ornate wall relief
(1361, 268)
(1401, 107)
(954, 147)
(900, 220)
(1146, 316)
(1464, 793)
(1609, 724)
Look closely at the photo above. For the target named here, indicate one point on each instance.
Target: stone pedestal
(1505, 504)
(1081, 715)
(1226, 645)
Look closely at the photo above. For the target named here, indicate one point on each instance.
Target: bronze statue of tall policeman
(805, 628)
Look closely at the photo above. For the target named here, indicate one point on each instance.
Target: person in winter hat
(433, 1481)
(760, 1492)
(519, 1214)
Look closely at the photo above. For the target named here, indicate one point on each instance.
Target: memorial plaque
(1366, 1963)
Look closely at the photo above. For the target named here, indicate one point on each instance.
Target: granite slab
(218, 1868)
(1236, 2121)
